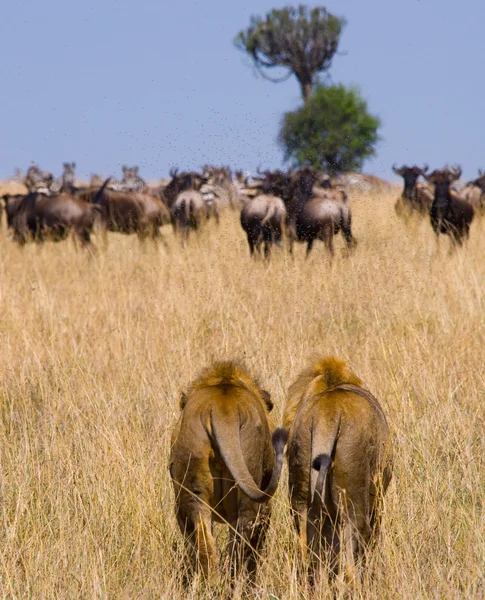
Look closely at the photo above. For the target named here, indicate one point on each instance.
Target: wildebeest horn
(480, 173)
(396, 170)
(424, 169)
(173, 172)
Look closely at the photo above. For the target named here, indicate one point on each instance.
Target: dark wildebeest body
(188, 208)
(415, 196)
(181, 183)
(131, 212)
(41, 217)
(12, 203)
(188, 211)
(449, 214)
(263, 218)
(312, 218)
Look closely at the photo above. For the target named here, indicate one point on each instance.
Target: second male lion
(340, 463)
(223, 464)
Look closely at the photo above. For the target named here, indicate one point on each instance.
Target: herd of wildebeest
(301, 205)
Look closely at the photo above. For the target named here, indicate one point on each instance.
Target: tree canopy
(300, 39)
(332, 131)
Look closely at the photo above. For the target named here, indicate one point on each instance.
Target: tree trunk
(306, 85)
(306, 91)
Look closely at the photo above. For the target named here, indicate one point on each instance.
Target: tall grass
(94, 352)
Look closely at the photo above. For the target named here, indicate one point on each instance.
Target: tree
(301, 40)
(333, 131)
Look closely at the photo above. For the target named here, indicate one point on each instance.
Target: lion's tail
(323, 452)
(229, 445)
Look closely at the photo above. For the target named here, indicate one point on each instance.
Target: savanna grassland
(94, 352)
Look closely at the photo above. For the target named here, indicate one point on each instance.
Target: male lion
(340, 463)
(224, 466)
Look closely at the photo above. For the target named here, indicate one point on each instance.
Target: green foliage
(300, 39)
(333, 131)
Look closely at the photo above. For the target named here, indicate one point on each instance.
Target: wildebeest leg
(142, 235)
(267, 248)
(251, 244)
(216, 214)
(328, 237)
(83, 234)
(349, 238)
(309, 246)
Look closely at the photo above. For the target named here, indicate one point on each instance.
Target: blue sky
(160, 83)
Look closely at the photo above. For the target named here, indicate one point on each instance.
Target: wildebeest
(129, 212)
(40, 217)
(188, 208)
(221, 185)
(181, 182)
(263, 218)
(37, 180)
(225, 466)
(12, 203)
(474, 192)
(449, 214)
(66, 183)
(130, 182)
(340, 464)
(312, 217)
(189, 211)
(415, 196)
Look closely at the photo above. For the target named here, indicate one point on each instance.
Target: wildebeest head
(410, 176)
(216, 175)
(96, 180)
(130, 172)
(480, 181)
(241, 177)
(442, 179)
(324, 181)
(38, 180)
(278, 183)
(192, 181)
(304, 180)
(68, 174)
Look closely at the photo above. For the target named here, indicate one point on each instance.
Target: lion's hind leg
(203, 544)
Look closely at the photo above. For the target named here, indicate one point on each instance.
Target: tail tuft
(280, 439)
(322, 461)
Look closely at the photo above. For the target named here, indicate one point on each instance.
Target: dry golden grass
(95, 351)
